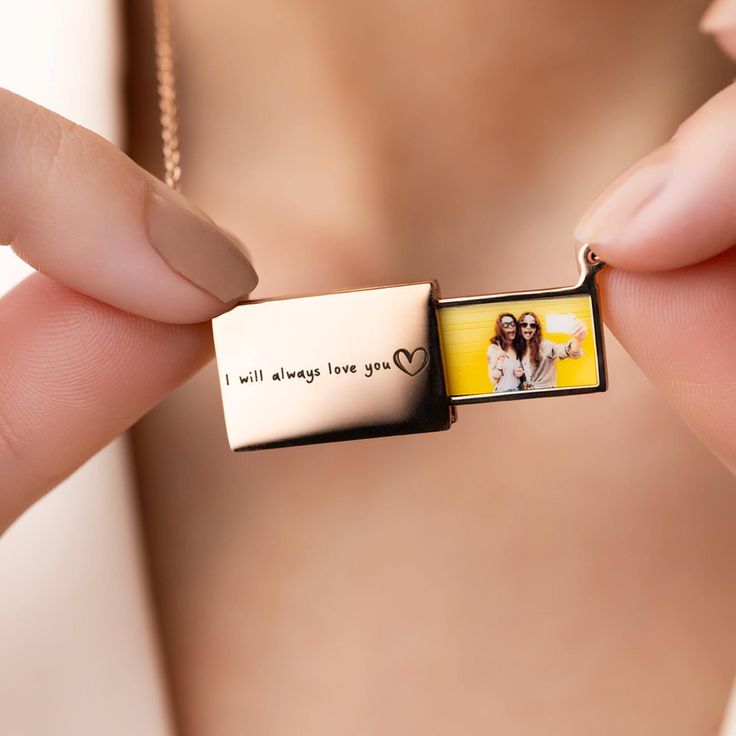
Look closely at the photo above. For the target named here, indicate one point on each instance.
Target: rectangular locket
(398, 359)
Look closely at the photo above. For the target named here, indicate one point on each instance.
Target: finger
(720, 21)
(679, 327)
(74, 373)
(677, 206)
(77, 209)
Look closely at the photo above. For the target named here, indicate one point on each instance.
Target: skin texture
(83, 213)
(75, 374)
(84, 351)
(414, 584)
(673, 213)
(558, 566)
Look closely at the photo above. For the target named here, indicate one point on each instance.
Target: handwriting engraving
(412, 363)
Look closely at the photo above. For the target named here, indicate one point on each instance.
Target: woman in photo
(504, 367)
(539, 356)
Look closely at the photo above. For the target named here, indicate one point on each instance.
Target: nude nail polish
(194, 247)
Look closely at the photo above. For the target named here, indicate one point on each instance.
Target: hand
(667, 227)
(500, 361)
(518, 372)
(84, 348)
(580, 332)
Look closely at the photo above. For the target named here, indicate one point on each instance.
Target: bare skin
(425, 584)
(509, 329)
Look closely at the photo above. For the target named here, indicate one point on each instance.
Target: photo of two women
(520, 358)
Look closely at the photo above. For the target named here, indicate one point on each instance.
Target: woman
(539, 356)
(504, 367)
(406, 585)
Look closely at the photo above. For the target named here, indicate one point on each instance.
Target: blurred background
(555, 567)
(79, 653)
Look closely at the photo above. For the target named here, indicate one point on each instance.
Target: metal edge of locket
(589, 265)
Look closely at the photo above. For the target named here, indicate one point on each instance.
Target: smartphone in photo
(561, 323)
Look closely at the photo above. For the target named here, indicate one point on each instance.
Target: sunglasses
(507, 325)
(528, 324)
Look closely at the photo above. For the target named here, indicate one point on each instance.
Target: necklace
(166, 86)
(386, 360)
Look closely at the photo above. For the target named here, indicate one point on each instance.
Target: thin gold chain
(168, 114)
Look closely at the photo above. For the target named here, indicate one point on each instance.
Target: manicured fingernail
(624, 199)
(720, 16)
(193, 246)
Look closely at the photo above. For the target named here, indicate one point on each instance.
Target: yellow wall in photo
(466, 332)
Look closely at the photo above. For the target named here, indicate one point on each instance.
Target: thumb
(677, 206)
(667, 227)
(679, 327)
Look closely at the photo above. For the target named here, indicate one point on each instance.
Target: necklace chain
(165, 79)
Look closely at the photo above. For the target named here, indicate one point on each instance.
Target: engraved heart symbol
(411, 362)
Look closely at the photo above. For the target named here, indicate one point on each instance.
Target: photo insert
(527, 345)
